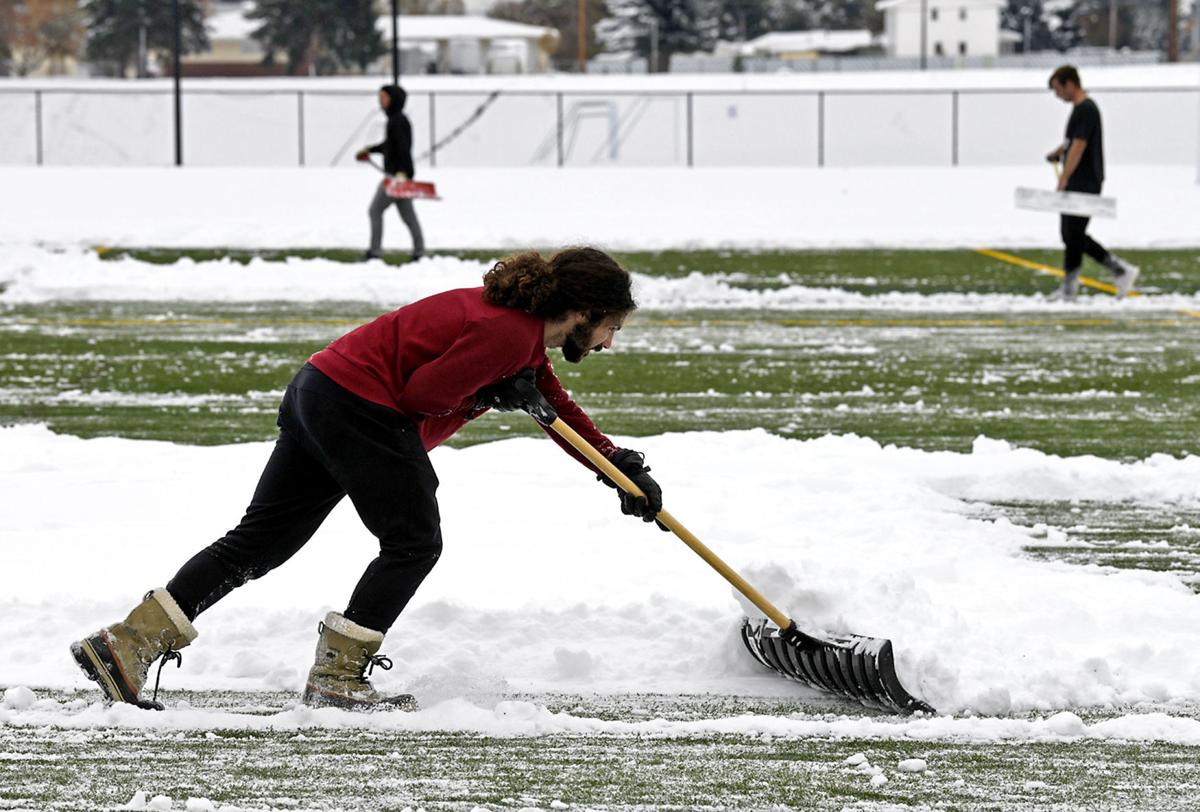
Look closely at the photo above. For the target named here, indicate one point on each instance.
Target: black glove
(633, 465)
(518, 392)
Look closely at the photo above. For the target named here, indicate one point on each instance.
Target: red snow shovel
(857, 667)
(409, 189)
(400, 187)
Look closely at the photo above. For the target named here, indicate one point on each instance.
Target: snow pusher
(859, 668)
(402, 188)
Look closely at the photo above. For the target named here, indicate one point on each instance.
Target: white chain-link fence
(837, 127)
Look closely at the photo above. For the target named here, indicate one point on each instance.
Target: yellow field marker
(1049, 269)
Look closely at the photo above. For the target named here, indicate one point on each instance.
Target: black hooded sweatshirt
(396, 147)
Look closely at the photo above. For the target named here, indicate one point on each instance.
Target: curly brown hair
(582, 279)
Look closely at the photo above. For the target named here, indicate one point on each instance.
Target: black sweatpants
(1078, 242)
(331, 443)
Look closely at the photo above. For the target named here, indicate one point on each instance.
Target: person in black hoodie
(396, 148)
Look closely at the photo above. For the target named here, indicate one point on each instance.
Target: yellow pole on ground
(1048, 269)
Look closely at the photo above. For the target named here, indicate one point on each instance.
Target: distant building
(232, 51)
(953, 28)
(808, 44)
(428, 44)
(433, 43)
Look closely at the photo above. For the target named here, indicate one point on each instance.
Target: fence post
(37, 107)
(820, 128)
(690, 161)
(300, 122)
(559, 127)
(432, 129)
(954, 128)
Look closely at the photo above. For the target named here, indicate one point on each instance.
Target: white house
(470, 44)
(952, 27)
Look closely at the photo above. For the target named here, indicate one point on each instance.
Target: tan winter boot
(119, 656)
(346, 655)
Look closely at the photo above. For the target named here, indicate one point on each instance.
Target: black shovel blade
(853, 666)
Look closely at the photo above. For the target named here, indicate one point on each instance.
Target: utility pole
(1172, 30)
(581, 24)
(178, 90)
(395, 42)
(924, 32)
(1112, 24)
(653, 46)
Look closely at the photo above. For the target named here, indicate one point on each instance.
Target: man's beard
(573, 348)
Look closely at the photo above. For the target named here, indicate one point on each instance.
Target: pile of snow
(570, 595)
(35, 274)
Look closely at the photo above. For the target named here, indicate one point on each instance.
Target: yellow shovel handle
(686, 536)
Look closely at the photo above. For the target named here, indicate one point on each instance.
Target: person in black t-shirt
(397, 159)
(1082, 157)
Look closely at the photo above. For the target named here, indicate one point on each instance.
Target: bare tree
(34, 31)
(561, 15)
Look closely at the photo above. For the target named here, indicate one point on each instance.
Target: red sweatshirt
(429, 358)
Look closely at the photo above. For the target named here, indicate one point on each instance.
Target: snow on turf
(35, 274)
(545, 586)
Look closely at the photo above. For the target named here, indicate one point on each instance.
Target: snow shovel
(1078, 204)
(857, 667)
(405, 189)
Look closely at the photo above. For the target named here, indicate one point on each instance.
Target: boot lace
(168, 656)
(384, 663)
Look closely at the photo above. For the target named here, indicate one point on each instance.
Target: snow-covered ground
(617, 208)
(38, 274)
(545, 587)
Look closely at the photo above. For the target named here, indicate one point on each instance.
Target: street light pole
(178, 91)
(653, 46)
(1172, 30)
(924, 32)
(581, 24)
(395, 42)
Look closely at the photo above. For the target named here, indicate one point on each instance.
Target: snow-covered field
(544, 589)
(850, 536)
(570, 596)
(34, 274)
(620, 208)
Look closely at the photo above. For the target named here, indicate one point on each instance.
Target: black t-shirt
(1084, 124)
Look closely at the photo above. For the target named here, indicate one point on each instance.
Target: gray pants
(408, 214)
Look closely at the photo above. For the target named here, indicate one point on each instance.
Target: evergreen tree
(1033, 21)
(1148, 27)
(747, 19)
(838, 15)
(673, 26)
(328, 35)
(742, 20)
(114, 30)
